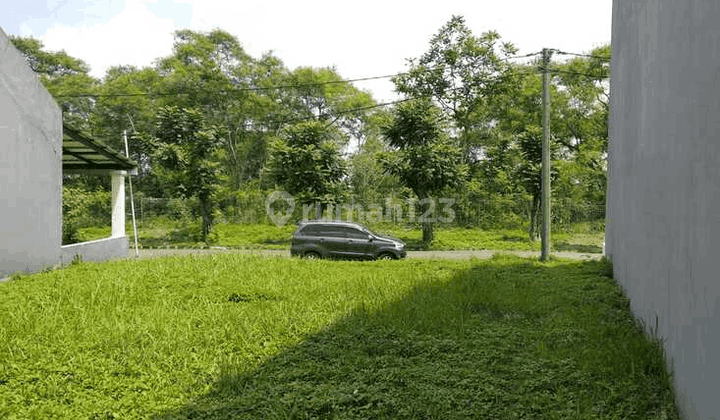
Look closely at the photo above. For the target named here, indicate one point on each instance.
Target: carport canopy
(82, 154)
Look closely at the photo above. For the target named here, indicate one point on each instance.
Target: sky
(359, 39)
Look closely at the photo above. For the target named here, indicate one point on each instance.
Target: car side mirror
(370, 238)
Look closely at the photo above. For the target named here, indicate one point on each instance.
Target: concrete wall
(100, 250)
(663, 219)
(30, 167)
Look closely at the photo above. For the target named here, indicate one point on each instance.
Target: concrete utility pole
(545, 234)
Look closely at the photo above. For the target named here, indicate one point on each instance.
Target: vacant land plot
(245, 336)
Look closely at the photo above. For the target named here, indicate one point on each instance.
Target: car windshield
(368, 231)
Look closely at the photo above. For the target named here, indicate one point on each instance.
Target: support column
(118, 204)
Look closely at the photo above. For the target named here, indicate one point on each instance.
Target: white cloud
(135, 36)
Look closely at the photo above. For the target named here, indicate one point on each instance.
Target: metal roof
(80, 152)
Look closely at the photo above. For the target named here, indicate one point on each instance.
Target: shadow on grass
(509, 338)
(415, 244)
(515, 238)
(566, 246)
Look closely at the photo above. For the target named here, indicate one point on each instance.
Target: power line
(346, 111)
(606, 59)
(247, 89)
(305, 85)
(256, 88)
(576, 73)
(522, 56)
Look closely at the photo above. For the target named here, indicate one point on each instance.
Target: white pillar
(118, 204)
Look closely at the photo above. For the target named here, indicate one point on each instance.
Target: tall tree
(306, 161)
(462, 73)
(424, 158)
(212, 73)
(126, 103)
(323, 94)
(184, 145)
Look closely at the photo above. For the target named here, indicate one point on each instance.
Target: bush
(75, 206)
(82, 208)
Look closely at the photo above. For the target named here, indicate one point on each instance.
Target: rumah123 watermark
(280, 207)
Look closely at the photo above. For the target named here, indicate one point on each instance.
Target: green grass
(453, 239)
(239, 336)
(165, 233)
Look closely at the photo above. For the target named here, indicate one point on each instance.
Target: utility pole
(132, 200)
(545, 234)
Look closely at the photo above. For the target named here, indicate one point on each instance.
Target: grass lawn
(164, 233)
(240, 336)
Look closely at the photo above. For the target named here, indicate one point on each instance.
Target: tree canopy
(210, 121)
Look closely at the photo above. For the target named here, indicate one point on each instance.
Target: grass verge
(237, 336)
(166, 233)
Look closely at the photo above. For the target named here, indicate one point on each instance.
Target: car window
(354, 233)
(312, 230)
(333, 231)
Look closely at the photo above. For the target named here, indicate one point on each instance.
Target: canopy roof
(81, 153)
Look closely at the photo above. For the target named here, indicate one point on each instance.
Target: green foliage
(463, 73)
(369, 181)
(61, 75)
(83, 208)
(425, 161)
(203, 66)
(307, 163)
(184, 146)
(485, 106)
(123, 107)
(74, 206)
(230, 336)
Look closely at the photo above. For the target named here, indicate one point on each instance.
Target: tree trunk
(534, 231)
(428, 234)
(207, 218)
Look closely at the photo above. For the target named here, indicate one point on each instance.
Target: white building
(34, 152)
(663, 215)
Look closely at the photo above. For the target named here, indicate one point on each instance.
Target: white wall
(100, 250)
(663, 219)
(30, 167)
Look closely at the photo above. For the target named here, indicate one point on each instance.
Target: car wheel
(386, 256)
(312, 255)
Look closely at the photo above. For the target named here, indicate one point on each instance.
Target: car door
(308, 240)
(333, 240)
(358, 244)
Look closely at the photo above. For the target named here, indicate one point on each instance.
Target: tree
(462, 73)
(63, 76)
(306, 161)
(529, 172)
(125, 103)
(424, 157)
(321, 93)
(184, 146)
(578, 133)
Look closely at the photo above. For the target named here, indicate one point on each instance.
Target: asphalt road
(442, 255)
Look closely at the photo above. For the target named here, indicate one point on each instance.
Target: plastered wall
(663, 216)
(30, 168)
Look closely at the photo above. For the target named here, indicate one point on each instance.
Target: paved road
(445, 255)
